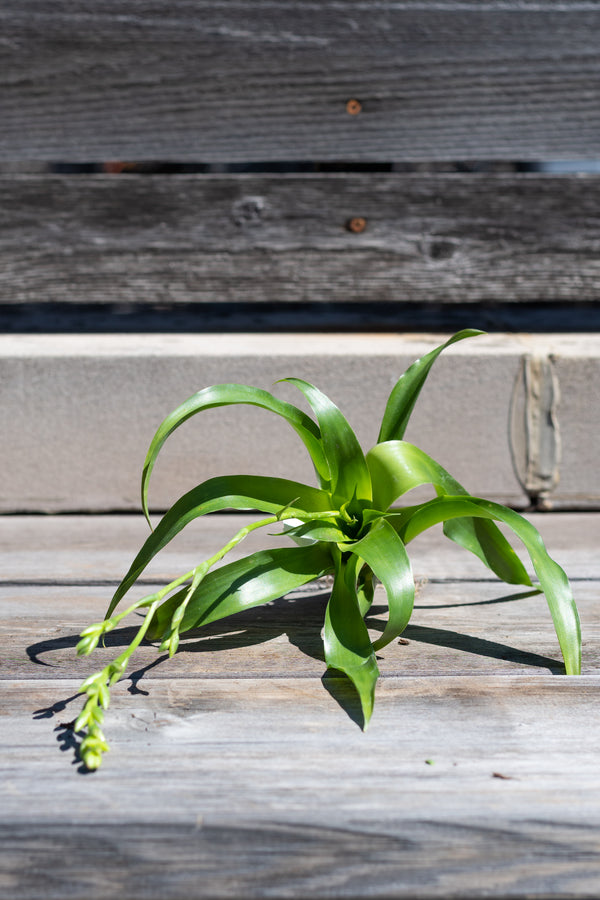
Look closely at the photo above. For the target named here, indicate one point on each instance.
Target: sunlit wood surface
(238, 770)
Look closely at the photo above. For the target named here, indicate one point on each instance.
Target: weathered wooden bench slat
(81, 550)
(284, 239)
(238, 772)
(212, 81)
(468, 786)
(469, 628)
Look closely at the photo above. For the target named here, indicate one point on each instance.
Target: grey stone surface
(579, 416)
(78, 411)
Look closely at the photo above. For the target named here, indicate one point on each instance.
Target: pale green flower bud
(89, 681)
(103, 696)
(82, 719)
(87, 644)
(91, 759)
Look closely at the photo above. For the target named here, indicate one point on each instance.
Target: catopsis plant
(349, 526)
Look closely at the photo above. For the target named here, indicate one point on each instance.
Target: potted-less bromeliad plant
(346, 527)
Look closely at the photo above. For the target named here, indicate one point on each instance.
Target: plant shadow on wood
(300, 618)
(345, 695)
(457, 640)
(65, 735)
(508, 598)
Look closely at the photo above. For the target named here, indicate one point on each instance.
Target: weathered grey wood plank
(238, 773)
(88, 550)
(284, 239)
(253, 80)
(253, 788)
(297, 860)
(456, 629)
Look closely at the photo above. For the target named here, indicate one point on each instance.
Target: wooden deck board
(240, 773)
(264, 788)
(217, 82)
(469, 628)
(84, 549)
(204, 239)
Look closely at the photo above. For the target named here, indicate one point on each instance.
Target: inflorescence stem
(97, 686)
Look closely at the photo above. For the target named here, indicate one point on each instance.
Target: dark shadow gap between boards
(298, 166)
(231, 318)
(291, 166)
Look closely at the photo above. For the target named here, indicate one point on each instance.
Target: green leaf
(245, 583)
(365, 588)
(349, 473)
(386, 556)
(346, 640)
(404, 395)
(397, 467)
(553, 580)
(317, 530)
(229, 395)
(242, 492)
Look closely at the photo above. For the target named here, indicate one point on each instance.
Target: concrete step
(515, 418)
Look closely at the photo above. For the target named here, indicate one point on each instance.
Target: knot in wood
(248, 211)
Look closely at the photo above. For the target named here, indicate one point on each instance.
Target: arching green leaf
(229, 395)
(349, 473)
(386, 556)
(397, 467)
(346, 640)
(553, 581)
(245, 583)
(317, 530)
(408, 387)
(240, 492)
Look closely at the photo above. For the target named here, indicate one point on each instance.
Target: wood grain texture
(265, 789)
(284, 240)
(58, 574)
(241, 773)
(85, 550)
(255, 80)
(474, 628)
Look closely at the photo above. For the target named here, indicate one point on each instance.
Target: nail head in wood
(353, 107)
(357, 224)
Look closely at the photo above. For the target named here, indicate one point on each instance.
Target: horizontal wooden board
(241, 773)
(97, 550)
(214, 81)
(287, 240)
(465, 620)
(472, 628)
(461, 787)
